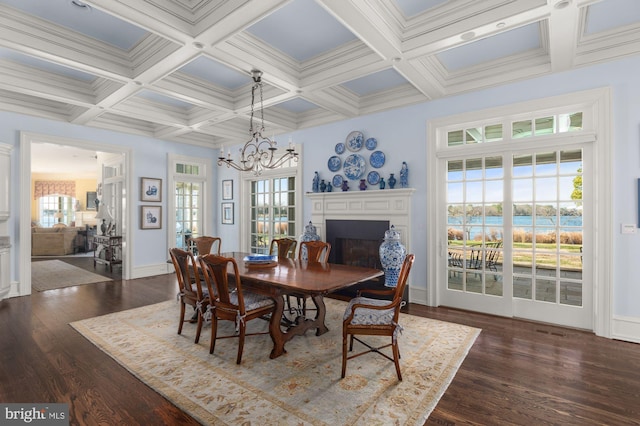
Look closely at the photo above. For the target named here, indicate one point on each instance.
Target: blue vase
(310, 234)
(391, 181)
(392, 254)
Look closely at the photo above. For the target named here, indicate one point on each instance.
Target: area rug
(302, 387)
(52, 274)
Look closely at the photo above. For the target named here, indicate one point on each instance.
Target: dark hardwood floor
(517, 372)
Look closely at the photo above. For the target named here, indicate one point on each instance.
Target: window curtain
(54, 187)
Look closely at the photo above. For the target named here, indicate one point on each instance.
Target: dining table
(301, 278)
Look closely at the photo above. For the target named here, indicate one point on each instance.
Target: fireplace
(362, 218)
(354, 222)
(356, 243)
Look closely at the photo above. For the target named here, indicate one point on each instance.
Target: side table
(111, 246)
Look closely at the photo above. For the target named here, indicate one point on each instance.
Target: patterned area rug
(52, 274)
(302, 387)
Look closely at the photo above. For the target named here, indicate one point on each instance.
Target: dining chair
(231, 304)
(190, 285)
(285, 248)
(317, 251)
(204, 244)
(376, 317)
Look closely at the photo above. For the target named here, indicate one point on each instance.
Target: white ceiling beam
(563, 35)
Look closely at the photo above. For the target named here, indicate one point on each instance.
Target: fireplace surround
(361, 215)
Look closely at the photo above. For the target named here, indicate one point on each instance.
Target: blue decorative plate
(377, 159)
(337, 181)
(373, 178)
(340, 148)
(354, 141)
(354, 166)
(371, 144)
(260, 258)
(334, 163)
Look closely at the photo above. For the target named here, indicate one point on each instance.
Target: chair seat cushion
(205, 290)
(251, 300)
(364, 316)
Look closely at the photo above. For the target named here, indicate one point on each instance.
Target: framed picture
(150, 189)
(91, 200)
(151, 217)
(227, 190)
(227, 213)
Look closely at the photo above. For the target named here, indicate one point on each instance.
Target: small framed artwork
(151, 217)
(91, 200)
(227, 190)
(150, 189)
(227, 213)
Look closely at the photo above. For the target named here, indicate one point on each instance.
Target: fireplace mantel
(393, 205)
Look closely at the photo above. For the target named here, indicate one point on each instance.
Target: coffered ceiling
(180, 69)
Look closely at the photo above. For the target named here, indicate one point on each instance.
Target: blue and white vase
(392, 254)
(404, 175)
(310, 234)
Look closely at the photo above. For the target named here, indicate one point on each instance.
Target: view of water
(567, 223)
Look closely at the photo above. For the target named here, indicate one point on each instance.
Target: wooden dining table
(298, 277)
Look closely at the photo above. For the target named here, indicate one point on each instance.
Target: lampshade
(58, 215)
(103, 213)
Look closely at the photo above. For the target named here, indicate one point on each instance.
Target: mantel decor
(150, 189)
(258, 153)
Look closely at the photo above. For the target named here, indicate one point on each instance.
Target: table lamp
(103, 213)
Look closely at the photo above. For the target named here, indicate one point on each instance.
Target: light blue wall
(401, 134)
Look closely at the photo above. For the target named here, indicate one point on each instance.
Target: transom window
(521, 128)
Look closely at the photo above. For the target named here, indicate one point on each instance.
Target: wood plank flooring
(517, 372)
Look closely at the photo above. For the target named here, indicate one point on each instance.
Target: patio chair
(376, 317)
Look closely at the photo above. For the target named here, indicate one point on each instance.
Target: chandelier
(259, 152)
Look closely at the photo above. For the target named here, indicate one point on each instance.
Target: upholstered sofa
(56, 241)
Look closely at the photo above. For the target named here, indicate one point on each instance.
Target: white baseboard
(152, 270)
(418, 295)
(625, 328)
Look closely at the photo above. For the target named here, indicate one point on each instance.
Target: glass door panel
(475, 225)
(547, 227)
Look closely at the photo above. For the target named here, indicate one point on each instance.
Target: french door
(515, 214)
(515, 235)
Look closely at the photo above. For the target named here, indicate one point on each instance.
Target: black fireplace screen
(356, 242)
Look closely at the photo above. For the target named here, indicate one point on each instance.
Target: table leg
(321, 312)
(274, 328)
(301, 326)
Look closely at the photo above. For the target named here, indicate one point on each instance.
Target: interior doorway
(86, 214)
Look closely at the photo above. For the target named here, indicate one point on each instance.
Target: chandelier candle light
(258, 153)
